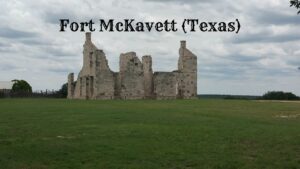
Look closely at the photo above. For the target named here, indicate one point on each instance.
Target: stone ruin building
(135, 80)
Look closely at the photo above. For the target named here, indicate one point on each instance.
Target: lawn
(218, 134)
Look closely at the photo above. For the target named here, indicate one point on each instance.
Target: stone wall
(105, 81)
(187, 73)
(165, 85)
(131, 76)
(71, 86)
(148, 76)
(135, 80)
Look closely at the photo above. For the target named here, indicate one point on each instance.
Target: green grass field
(224, 134)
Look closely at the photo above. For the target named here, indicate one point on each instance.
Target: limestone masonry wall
(135, 80)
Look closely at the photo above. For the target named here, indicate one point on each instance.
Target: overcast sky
(264, 56)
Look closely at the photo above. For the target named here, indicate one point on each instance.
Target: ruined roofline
(88, 41)
(135, 78)
(146, 56)
(185, 51)
(129, 53)
(183, 44)
(88, 36)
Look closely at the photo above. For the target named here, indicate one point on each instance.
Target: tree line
(22, 89)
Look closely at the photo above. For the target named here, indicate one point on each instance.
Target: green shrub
(279, 95)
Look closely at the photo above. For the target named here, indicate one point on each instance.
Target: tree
(21, 86)
(64, 90)
(296, 4)
(279, 95)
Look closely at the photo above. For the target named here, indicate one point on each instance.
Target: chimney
(183, 44)
(88, 36)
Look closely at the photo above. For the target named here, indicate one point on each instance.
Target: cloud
(4, 45)
(59, 70)
(182, 1)
(267, 37)
(54, 17)
(6, 32)
(7, 67)
(263, 56)
(56, 51)
(35, 42)
(275, 17)
(294, 62)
